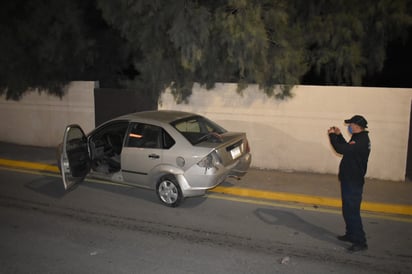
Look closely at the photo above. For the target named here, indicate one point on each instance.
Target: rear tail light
(212, 160)
(247, 147)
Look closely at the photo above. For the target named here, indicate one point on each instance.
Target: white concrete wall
(291, 135)
(285, 135)
(40, 119)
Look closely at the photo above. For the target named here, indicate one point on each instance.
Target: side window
(148, 136)
(168, 141)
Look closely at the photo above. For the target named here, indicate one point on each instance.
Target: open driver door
(74, 156)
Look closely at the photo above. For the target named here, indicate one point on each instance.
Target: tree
(347, 40)
(181, 42)
(175, 43)
(45, 44)
(267, 42)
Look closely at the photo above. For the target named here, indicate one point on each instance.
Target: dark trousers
(351, 192)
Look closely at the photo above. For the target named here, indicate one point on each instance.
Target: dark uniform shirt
(353, 165)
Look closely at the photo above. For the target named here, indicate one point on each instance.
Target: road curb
(313, 200)
(251, 193)
(28, 165)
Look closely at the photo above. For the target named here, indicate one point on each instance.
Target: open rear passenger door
(74, 158)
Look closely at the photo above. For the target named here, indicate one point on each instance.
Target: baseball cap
(359, 120)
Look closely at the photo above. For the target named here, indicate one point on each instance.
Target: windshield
(197, 129)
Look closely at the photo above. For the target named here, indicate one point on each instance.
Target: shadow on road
(292, 221)
(49, 186)
(53, 187)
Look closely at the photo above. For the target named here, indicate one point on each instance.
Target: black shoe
(358, 247)
(345, 238)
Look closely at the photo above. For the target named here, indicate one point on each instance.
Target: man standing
(352, 170)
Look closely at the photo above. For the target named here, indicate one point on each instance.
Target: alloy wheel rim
(168, 192)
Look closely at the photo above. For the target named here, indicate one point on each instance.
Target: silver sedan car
(177, 154)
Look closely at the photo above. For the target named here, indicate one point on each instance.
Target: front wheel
(168, 191)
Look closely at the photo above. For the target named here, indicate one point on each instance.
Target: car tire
(168, 191)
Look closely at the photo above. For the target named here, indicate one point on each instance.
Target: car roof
(165, 116)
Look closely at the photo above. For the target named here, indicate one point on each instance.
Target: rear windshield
(197, 129)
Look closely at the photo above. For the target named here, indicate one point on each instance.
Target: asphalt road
(103, 228)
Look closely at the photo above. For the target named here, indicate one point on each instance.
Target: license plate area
(235, 152)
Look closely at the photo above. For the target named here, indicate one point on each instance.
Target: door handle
(154, 156)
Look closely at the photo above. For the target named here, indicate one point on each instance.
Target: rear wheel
(168, 191)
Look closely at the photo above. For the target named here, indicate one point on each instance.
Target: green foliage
(347, 39)
(45, 44)
(174, 43)
(269, 42)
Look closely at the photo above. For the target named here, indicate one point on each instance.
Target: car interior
(106, 147)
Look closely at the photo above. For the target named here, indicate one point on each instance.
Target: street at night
(99, 227)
